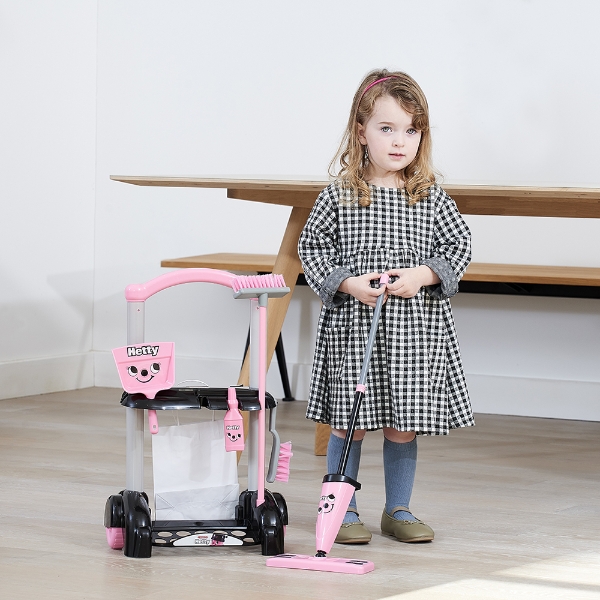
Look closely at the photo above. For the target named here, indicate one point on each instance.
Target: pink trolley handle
(243, 286)
(140, 292)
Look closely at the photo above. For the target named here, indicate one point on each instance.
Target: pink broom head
(283, 465)
(146, 368)
(258, 282)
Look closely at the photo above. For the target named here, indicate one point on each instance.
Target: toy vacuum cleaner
(338, 488)
(146, 371)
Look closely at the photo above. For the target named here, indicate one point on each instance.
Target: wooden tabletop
(240, 183)
(570, 202)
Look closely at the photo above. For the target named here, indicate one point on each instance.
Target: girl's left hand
(410, 281)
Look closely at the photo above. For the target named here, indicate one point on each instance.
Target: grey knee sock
(334, 453)
(399, 467)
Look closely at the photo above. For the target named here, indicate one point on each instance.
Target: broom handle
(360, 388)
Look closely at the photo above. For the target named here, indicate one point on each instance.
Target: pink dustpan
(146, 368)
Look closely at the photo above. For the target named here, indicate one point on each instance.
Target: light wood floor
(514, 502)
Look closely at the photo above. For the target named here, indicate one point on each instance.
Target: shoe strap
(352, 510)
(397, 508)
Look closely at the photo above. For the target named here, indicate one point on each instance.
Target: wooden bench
(485, 272)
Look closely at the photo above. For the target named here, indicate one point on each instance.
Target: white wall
(47, 150)
(201, 88)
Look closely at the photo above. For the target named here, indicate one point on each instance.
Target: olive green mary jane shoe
(353, 533)
(405, 531)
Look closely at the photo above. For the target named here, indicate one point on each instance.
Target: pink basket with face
(146, 368)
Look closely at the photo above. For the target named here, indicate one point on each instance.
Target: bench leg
(283, 372)
(322, 432)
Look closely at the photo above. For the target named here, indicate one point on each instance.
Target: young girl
(385, 213)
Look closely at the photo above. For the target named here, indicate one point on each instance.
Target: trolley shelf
(197, 397)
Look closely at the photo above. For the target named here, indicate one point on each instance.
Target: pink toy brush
(281, 454)
(261, 288)
(338, 488)
(283, 464)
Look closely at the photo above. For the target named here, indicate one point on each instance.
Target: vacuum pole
(360, 388)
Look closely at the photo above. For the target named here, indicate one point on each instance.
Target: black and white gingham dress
(416, 380)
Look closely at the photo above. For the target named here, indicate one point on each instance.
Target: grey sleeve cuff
(448, 285)
(329, 294)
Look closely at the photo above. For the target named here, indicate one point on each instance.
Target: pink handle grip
(262, 387)
(139, 292)
(384, 279)
(152, 422)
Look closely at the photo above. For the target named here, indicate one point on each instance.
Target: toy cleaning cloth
(194, 477)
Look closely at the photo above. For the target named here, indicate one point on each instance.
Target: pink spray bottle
(233, 423)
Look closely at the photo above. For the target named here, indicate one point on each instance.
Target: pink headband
(375, 83)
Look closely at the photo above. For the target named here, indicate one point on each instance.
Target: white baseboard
(527, 397)
(45, 375)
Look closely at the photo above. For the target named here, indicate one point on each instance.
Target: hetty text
(203, 540)
(142, 350)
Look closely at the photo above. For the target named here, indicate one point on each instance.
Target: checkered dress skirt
(415, 380)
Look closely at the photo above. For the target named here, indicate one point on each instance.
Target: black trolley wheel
(114, 521)
(138, 525)
(271, 526)
(281, 506)
(272, 541)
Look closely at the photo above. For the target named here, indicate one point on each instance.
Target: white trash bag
(194, 477)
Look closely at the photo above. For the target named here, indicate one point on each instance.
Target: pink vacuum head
(335, 498)
(146, 368)
(315, 563)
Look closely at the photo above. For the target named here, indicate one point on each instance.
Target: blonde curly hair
(419, 175)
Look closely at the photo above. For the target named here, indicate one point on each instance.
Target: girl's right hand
(360, 288)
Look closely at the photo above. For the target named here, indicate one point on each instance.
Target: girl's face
(391, 139)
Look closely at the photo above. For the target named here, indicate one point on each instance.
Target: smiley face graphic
(326, 504)
(143, 374)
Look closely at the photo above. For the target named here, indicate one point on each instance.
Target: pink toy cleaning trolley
(146, 371)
